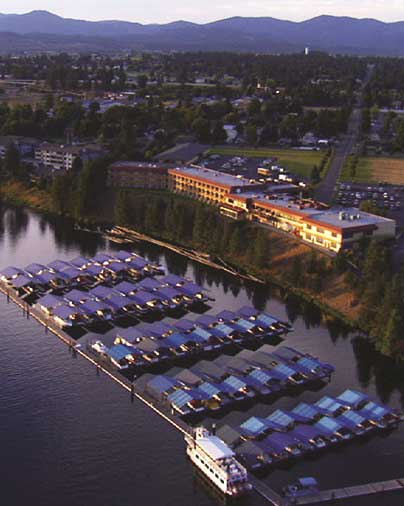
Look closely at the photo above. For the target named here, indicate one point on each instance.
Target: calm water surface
(71, 438)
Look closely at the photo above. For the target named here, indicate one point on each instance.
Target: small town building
(152, 176)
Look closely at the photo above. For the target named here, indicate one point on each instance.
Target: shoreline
(194, 255)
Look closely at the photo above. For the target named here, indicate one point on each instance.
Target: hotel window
(320, 230)
(319, 240)
(334, 234)
(308, 227)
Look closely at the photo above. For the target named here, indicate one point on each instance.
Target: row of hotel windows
(320, 230)
(319, 240)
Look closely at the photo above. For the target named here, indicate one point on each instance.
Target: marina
(292, 340)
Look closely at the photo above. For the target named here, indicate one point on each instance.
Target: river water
(71, 438)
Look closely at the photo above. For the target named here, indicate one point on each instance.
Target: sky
(162, 11)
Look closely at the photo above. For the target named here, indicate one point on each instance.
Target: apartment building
(61, 157)
(150, 176)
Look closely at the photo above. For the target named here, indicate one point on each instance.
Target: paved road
(325, 190)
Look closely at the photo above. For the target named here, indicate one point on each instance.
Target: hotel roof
(215, 177)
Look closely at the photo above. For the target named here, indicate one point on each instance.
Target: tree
(201, 128)
(261, 249)
(219, 135)
(123, 208)
(251, 134)
(315, 175)
(12, 161)
(77, 165)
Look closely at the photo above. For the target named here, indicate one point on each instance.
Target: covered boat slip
(82, 271)
(185, 338)
(305, 429)
(211, 386)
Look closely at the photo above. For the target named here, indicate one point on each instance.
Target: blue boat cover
(209, 388)
(185, 325)
(21, 281)
(80, 261)
(92, 306)
(351, 418)
(281, 418)
(131, 334)
(173, 280)
(125, 288)
(235, 383)
(137, 264)
(328, 425)
(149, 284)
(73, 272)
(120, 351)
(117, 301)
(352, 398)
(206, 320)
(66, 312)
(76, 296)
(226, 316)
(101, 292)
(59, 265)
(101, 258)
(175, 340)
(44, 278)
(123, 255)
(93, 270)
(117, 267)
(200, 335)
(307, 432)
(248, 311)
(168, 292)
(255, 426)
(50, 301)
(10, 271)
(304, 412)
(328, 405)
(161, 384)
(374, 411)
(266, 319)
(158, 329)
(280, 441)
(191, 289)
(143, 297)
(34, 268)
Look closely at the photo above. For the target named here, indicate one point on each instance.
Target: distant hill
(38, 30)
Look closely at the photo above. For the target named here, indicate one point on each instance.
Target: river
(71, 438)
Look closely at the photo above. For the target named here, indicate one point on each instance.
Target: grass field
(298, 162)
(375, 169)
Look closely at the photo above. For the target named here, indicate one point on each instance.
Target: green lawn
(298, 162)
(375, 169)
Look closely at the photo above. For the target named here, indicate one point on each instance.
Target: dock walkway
(349, 492)
(259, 486)
(69, 341)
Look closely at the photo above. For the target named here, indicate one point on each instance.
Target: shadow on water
(16, 222)
(387, 375)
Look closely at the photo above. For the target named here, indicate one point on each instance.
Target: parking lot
(247, 166)
(386, 197)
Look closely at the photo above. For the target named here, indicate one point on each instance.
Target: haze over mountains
(42, 31)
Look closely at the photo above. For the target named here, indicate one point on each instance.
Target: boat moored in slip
(217, 462)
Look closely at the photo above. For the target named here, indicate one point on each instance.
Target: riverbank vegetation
(360, 287)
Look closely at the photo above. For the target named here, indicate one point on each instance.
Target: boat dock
(50, 326)
(332, 495)
(122, 235)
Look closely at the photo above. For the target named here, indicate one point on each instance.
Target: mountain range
(42, 31)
